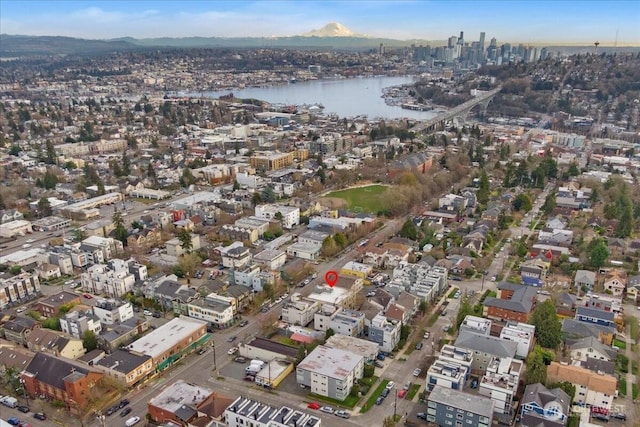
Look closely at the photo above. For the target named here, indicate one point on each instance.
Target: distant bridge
(457, 114)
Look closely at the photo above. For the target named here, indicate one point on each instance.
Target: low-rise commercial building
(245, 412)
(171, 341)
(125, 367)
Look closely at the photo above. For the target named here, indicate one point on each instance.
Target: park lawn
(413, 390)
(371, 401)
(363, 199)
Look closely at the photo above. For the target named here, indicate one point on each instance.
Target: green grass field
(363, 199)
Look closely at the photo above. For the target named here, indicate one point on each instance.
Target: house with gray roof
(590, 347)
(598, 317)
(542, 407)
(485, 348)
(584, 279)
(573, 329)
(516, 302)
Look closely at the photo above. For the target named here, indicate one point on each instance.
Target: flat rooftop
(469, 402)
(166, 337)
(180, 393)
(331, 362)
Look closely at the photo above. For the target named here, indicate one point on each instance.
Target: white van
(132, 421)
(9, 401)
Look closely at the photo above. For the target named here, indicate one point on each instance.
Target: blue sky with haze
(542, 21)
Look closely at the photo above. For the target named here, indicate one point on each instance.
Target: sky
(541, 21)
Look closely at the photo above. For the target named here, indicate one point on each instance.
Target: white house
(290, 215)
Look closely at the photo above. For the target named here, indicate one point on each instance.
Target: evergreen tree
(120, 231)
(548, 327)
(484, 188)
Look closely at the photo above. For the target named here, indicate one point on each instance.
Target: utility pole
(395, 404)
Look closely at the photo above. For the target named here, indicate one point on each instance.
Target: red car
(87, 296)
(313, 405)
(402, 393)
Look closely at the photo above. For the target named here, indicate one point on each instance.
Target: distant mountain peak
(332, 29)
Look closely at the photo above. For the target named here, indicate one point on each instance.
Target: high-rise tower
(481, 47)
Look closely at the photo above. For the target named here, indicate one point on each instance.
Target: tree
(465, 309)
(548, 327)
(49, 180)
(549, 204)
(120, 231)
(44, 207)
(409, 230)
(126, 164)
(51, 153)
(2, 205)
(15, 150)
(185, 240)
(598, 254)
(484, 188)
(329, 333)
(340, 240)
(522, 202)
(79, 234)
(89, 340)
(15, 269)
(536, 368)
(565, 386)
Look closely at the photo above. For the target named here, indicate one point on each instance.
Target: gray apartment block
(452, 408)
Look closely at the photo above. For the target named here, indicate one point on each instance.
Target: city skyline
(560, 22)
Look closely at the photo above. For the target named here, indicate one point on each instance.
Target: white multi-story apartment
(384, 332)
(112, 279)
(520, 333)
(244, 412)
(299, 311)
(330, 372)
(109, 246)
(18, 288)
(76, 324)
(500, 382)
(113, 311)
(212, 311)
(289, 215)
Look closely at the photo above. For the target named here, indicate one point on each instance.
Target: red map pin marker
(331, 277)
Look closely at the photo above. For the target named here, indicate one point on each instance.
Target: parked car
(157, 315)
(407, 386)
(313, 405)
(232, 350)
(601, 417)
(123, 403)
(380, 356)
(112, 410)
(402, 393)
(384, 393)
(326, 409)
(13, 421)
(240, 359)
(249, 378)
(419, 346)
(22, 408)
(421, 415)
(87, 296)
(40, 416)
(232, 338)
(147, 312)
(619, 416)
(244, 323)
(342, 414)
(378, 364)
(125, 412)
(202, 350)
(390, 385)
(416, 372)
(379, 400)
(426, 335)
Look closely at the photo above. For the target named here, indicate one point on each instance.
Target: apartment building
(330, 372)
(289, 216)
(500, 382)
(448, 407)
(299, 311)
(110, 311)
(112, 279)
(385, 333)
(19, 288)
(244, 412)
(76, 323)
(594, 389)
(522, 334)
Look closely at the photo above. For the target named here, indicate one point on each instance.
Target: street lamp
(213, 346)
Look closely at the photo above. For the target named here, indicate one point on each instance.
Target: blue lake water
(344, 97)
